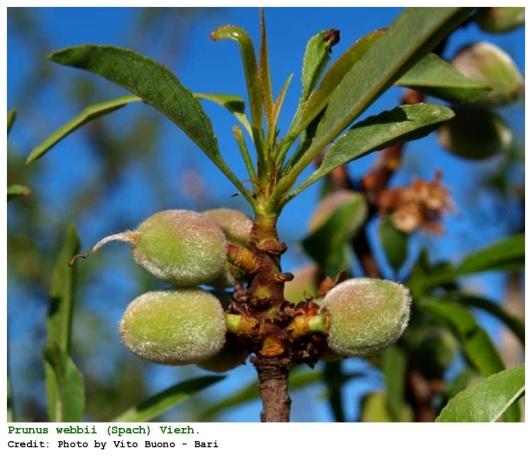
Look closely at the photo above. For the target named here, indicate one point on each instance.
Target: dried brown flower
(419, 205)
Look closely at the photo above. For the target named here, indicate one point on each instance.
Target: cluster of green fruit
(189, 324)
(477, 132)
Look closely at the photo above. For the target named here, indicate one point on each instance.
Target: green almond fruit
(332, 202)
(235, 224)
(434, 349)
(475, 133)
(181, 247)
(174, 327)
(500, 19)
(227, 359)
(488, 64)
(304, 284)
(366, 315)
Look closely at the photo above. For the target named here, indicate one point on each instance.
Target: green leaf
(394, 242)
(515, 324)
(11, 117)
(477, 345)
(65, 385)
(88, 114)
(317, 54)
(62, 292)
(436, 77)
(230, 32)
(155, 85)
(64, 382)
(318, 99)
(487, 400)
(235, 104)
(504, 255)
(464, 379)
(17, 191)
(150, 81)
(328, 244)
(498, 255)
(413, 34)
(264, 69)
(394, 366)
(276, 110)
(405, 122)
(157, 404)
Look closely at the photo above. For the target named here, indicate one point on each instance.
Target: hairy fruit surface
(181, 247)
(366, 315)
(235, 224)
(174, 327)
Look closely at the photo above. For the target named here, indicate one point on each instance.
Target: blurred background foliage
(116, 171)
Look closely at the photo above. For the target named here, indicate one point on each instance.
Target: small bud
(236, 225)
(174, 327)
(181, 247)
(366, 315)
(486, 63)
(332, 202)
(304, 285)
(475, 133)
(500, 19)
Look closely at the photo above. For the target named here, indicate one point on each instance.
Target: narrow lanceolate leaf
(412, 35)
(11, 117)
(88, 114)
(436, 77)
(64, 382)
(317, 54)
(328, 244)
(505, 255)
(17, 191)
(276, 110)
(476, 343)
(230, 32)
(155, 85)
(394, 365)
(159, 403)
(509, 252)
(264, 69)
(403, 123)
(235, 104)
(487, 400)
(150, 81)
(62, 292)
(394, 242)
(515, 324)
(65, 385)
(319, 98)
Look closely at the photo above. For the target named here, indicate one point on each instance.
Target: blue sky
(207, 66)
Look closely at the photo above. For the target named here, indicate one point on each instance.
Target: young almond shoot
(195, 251)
